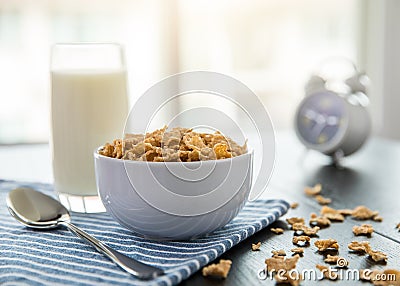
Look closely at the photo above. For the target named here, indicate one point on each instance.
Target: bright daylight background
(271, 46)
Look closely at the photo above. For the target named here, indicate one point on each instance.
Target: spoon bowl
(39, 211)
(35, 209)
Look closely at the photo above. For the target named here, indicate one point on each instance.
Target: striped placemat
(57, 257)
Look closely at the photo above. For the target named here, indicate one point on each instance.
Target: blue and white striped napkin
(57, 257)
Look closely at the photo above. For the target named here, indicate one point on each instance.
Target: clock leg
(337, 158)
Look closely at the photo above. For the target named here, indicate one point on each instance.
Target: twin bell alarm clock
(333, 117)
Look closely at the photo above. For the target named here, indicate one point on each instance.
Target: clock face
(320, 118)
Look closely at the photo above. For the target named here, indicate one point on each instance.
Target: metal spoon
(39, 211)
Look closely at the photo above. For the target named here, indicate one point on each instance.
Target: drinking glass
(89, 106)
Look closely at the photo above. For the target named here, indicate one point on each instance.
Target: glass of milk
(89, 106)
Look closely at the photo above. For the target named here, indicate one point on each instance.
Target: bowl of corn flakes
(173, 183)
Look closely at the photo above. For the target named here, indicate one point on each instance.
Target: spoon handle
(130, 265)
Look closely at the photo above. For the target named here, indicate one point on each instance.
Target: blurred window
(271, 46)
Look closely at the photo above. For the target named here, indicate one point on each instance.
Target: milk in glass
(88, 109)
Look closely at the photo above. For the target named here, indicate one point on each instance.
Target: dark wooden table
(370, 177)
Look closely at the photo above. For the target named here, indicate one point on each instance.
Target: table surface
(369, 177)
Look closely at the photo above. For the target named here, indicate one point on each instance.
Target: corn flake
(331, 214)
(364, 229)
(297, 250)
(312, 191)
(279, 252)
(363, 213)
(359, 246)
(177, 144)
(277, 230)
(293, 220)
(320, 221)
(218, 270)
(256, 246)
(303, 229)
(325, 244)
(301, 240)
(332, 259)
(322, 200)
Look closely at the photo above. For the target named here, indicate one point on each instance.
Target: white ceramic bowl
(174, 200)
